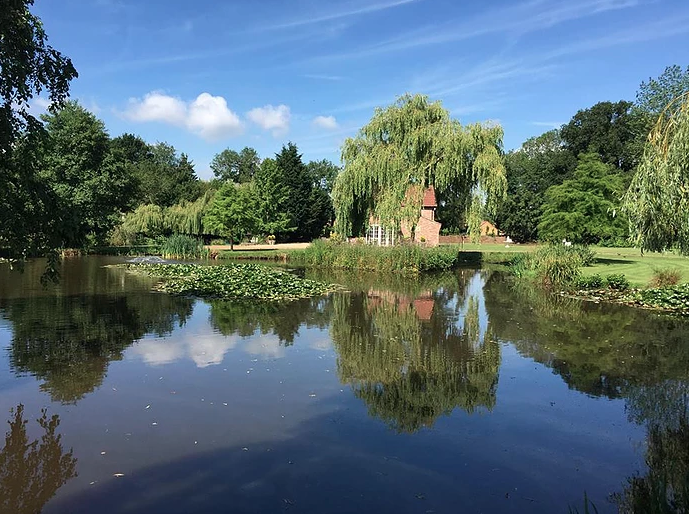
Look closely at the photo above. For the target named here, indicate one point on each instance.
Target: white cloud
(208, 115)
(271, 118)
(326, 122)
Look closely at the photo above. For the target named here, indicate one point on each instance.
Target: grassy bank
(406, 259)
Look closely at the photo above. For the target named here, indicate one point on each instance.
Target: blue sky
(208, 75)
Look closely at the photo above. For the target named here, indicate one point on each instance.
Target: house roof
(429, 197)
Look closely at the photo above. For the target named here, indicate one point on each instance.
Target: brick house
(427, 229)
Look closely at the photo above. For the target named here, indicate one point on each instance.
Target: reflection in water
(615, 352)
(32, 472)
(281, 319)
(413, 358)
(68, 341)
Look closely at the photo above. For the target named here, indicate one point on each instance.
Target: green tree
(232, 213)
(608, 129)
(414, 143)
(586, 208)
(540, 163)
(298, 183)
(323, 174)
(236, 167)
(272, 196)
(91, 187)
(28, 67)
(657, 201)
(656, 94)
(166, 178)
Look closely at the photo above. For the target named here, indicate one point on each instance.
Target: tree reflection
(31, 472)
(412, 359)
(282, 319)
(69, 341)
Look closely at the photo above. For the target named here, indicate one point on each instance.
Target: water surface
(458, 392)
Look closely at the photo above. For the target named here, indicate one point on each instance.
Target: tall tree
(607, 129)
(586, 208)
(272, 196)
(415, 142)
(28, 67)
(236, 167)
(166, 178)
(90, 186)
(232, 213)
(657, 201)
(298, 184)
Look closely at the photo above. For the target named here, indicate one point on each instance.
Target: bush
(665, 277)
(591, 282)
(182, 247)
(218, 242)
(554, 265)
(617, 281)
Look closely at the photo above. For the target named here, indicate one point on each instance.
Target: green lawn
(638, 269)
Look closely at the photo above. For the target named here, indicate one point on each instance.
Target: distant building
(427, 230)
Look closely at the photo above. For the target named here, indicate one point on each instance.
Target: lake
(459, 392)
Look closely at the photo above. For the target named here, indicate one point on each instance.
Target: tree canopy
(657, 201)
(235, 166)
(414, 142)
(28, 67)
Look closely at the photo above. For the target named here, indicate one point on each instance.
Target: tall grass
(665, 277)
(554, 265)
(408, 259)
(182, 247)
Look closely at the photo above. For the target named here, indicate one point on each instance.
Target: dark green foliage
(589, 282)
(672, 298)
(586, 208)
(323, 174)
(182, 247)
(28, 67)
(90, 186)
(306, 203)
(165, 178)
(272, 196)
(232, 281)
(617, 281)
(240, 167)
(541, 162)
(607, 129)
(589, 507)
(409, 259)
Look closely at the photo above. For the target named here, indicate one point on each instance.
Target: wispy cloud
(517, 20)
(357, 10)
(332, 78)
(325, 122)
(548, 124)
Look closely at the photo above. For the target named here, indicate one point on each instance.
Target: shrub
(585, 253)
(218, 242)
(665, 277)
(182, 247)
(617, 281)
(590, 282)
(553, 265)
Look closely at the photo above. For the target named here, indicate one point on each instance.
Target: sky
(208, 75)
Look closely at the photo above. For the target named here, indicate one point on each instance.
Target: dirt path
(279, 246)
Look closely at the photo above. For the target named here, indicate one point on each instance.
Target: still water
(459, 392)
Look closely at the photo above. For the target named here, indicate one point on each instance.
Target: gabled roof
(429, 198)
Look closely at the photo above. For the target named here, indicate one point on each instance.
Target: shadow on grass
(608, 262)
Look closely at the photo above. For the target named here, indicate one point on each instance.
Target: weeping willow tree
(657, 201)
(150, 220)
(406, 147)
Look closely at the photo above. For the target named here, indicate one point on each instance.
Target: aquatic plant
(180, 246)
(232, 281)
(553, 265)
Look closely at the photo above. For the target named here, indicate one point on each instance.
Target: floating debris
(118, 475)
